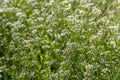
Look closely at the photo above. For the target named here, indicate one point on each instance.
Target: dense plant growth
(59, 40)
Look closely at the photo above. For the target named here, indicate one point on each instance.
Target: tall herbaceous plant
(59, 39)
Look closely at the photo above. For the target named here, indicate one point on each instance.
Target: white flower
(50, 30)
(65, 32)
(88, 5)
(92, 38)
(118, 1)
(5, 1)
(89, 67)
(40, 19)
(105, 70)
(20, 14)
(100, 33)
(72, 0)
(113, 27)
(52, 1)
(113, 43)
(34, 31)
(30, 1)
(96, 11)
(1, 10)
(36, 12)
(0, 70)
(116, 28)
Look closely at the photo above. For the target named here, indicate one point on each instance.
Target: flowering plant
(59, 39)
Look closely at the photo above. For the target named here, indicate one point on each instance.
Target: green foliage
(59, 40)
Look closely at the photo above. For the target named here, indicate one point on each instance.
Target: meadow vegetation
(59, 40)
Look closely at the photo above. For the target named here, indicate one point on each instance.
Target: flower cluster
(59, 39)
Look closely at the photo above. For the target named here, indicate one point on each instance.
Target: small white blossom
(20, 14)
(52, 1)
(105, 70)
(113, 43)
(96, 11)
(92, 38)
(88, 5)
(89, 67)
(118, 1)
(1, 10)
